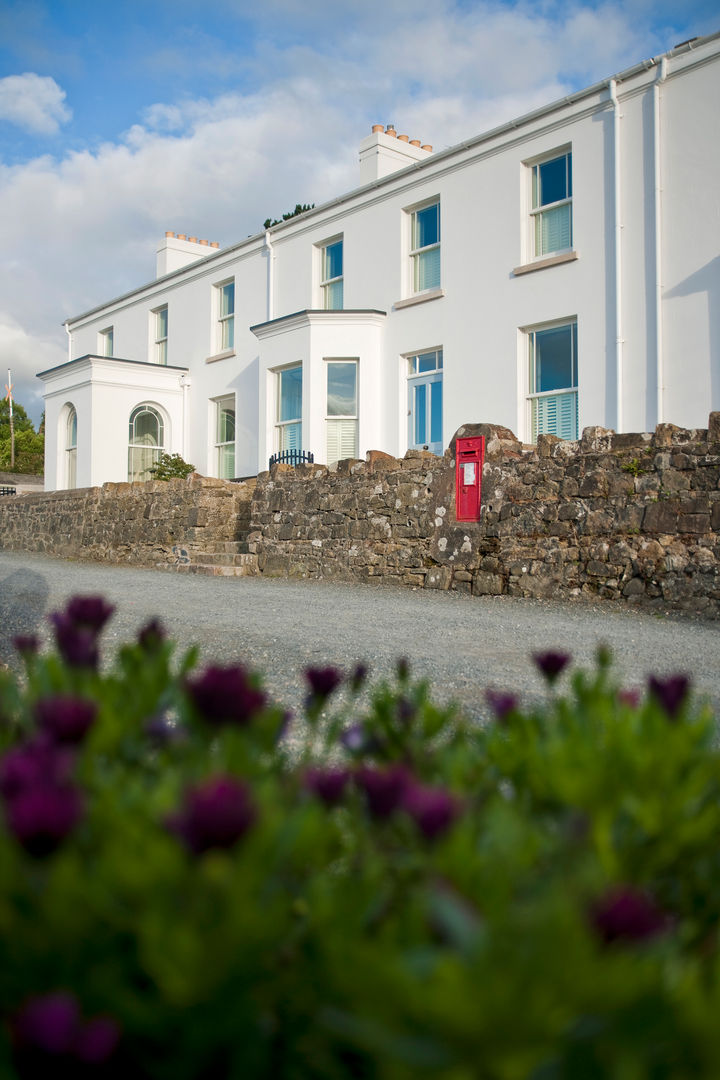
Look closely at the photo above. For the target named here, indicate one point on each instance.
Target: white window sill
(220, 356)
(541, 264)
(419, 298)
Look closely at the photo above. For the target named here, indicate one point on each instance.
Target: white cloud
(24, 354)
(34, 102)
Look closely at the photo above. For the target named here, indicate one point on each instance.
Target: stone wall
(633, 517)
(157, 523)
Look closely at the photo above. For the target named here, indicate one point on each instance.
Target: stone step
(222, 558)
(227, 547)
(247, 568)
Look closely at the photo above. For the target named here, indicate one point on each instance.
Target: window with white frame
(341, 410)
(71, 448)
(226, 316)
(289, 409)
(553, 397)
(225, 437)
(425, 247)
(160, 325)
(146, 442)
(106, 342)
(551, 205)
(425, 400)
(331, 275)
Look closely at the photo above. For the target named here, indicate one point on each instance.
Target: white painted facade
(634, 289)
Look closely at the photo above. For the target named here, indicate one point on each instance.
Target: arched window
(71, 448)
(147, 442)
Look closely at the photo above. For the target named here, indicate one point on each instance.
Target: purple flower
(163, 729)
(432, 809)
(358, 677)
(630, 698)
(27, 644)
(97, 1040)
(357, 740)
(551, 663)
(33, 764)
(66, 719)
(40, 818)
(627, 914)
(152, 636)
(76, 644)
(216, 814)
(225, 695)
(502, 703)
(406, 711)
(322, 682)
(670, 693)
(402, 669)
(49, 1023)
(384, 788)
(328, 784)
(91, 612)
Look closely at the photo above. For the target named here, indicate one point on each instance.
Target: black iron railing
(292, 457)
(8, 491)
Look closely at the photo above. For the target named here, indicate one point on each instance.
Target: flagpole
(12, 426)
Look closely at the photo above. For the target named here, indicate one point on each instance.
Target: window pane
(436, 412)
(226, 461)
(553, 358)
(333, 261)
(342, 389)
(228, 333)
(162, 324)
(291, 437)
(427, 270)
(226, 424)
(427, 226)
(427, 362)
(553, 230)
(341, 440)
(72, 430)
(227, 301)
(333, 296)
(420, 414)
(553, 179)
(290, 394)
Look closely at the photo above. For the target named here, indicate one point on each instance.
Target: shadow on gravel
(23, 600)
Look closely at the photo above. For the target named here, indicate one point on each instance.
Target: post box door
(469, 457)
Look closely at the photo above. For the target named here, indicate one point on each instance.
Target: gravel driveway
(462, 643)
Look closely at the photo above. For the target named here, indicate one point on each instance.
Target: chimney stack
(384, 152)
(177, 251)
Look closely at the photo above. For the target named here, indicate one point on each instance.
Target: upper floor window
(342, 410)
(106, 342)
(553, 393)
(551, 205)
(331, 276)
(146, 442)
(425, 247)
(161, 335)
(226, 316)
(225, 437)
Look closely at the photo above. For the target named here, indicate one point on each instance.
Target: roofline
(510, 125)
(111, 359)
(316, 311)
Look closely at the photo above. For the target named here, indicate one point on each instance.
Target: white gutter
(270, 256)
(69, 335)
(185, 382)
(659, 357)
(612, 86)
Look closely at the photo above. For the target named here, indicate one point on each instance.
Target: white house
(558, 271)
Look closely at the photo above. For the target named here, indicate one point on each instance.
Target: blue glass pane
(162, 324)
(334, 296)
(290, 393)
(553, 176)
(427, 226)
(420, 414)
(333, 265)
(554, 368)
(427, 270)
(228, 299)
(341, 395)
(427, 361)
(436, 412)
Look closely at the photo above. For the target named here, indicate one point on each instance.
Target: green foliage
(29, 445)
(634, 466)
(300, 208)
(541, 900)
(171, 467)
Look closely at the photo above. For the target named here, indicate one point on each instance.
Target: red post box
(469, 457)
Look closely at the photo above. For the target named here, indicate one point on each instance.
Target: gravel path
(462, 643)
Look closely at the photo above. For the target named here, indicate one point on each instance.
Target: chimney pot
(181, 236)
(170, 234)
(428, 148)
(215, 244)
(404, 138)
(414, 142)
(390, 130)
(204, 242)
(378, 127)
(193, 239)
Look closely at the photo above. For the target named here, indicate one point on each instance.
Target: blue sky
(121, 120)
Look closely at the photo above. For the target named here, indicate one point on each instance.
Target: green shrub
(171, 467)
(194, 884)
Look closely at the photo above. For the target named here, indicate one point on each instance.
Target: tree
(300, 208)
(29, 444)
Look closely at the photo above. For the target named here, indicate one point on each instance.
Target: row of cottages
(559, 271)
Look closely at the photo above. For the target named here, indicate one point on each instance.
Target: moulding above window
(540, 264)
(419, 298)
(219, 356)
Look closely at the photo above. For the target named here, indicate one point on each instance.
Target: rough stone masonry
(631, 517)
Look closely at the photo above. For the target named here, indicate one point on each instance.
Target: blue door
(425, 412)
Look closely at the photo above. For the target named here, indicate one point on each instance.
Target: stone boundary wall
(633, 517)
(162, 522)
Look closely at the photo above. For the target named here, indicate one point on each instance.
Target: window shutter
(556, 414)
(341, 440)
